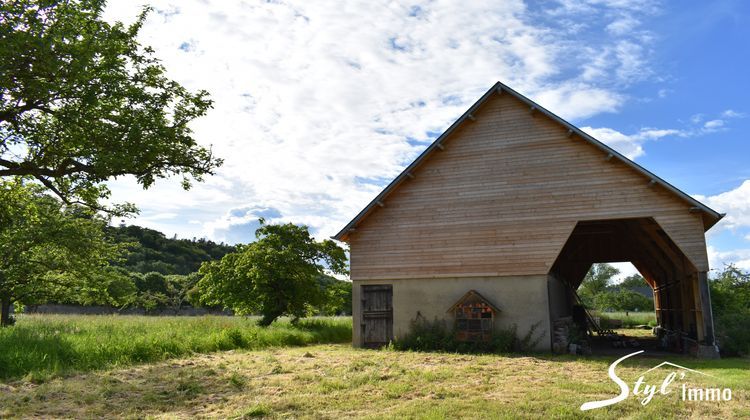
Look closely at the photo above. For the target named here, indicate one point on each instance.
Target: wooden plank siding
(502, 199)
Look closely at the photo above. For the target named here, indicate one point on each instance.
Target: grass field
(336, 381)
(630, 319)
(39, 347)
(110, 366)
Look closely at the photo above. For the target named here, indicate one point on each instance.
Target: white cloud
(718, 259)
(626, 269)
(735, 203)
(623, 25)
(319, 104)
(713, 124)
(729, 113)
(630, 145)
(697, 118)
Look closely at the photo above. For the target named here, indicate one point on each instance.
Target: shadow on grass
(28, 352)
(167, 388)
(41, 348)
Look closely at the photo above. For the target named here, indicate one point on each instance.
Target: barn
(506, 211)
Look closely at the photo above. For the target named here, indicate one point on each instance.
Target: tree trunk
(5, 316)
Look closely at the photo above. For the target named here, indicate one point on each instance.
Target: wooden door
(377, 315)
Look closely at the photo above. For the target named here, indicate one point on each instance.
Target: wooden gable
(500, 196)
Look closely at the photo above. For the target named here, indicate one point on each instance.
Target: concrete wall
(560, 304)
(522, 300)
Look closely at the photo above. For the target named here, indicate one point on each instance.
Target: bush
(730, 297)
(733, 335)
(621, 299)
(437, 336)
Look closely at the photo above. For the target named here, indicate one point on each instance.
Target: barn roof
(711, 217)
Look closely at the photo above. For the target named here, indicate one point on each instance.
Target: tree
(730, 299)
(338, 296)
(275, 275)
(47, 250)
(152, 282)
(597, 280)
(114, 286)
(621, 299)
(178, 288)
(81, 101)
(633, 282)
(156, 252)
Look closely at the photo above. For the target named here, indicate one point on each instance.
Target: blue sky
(319, 104)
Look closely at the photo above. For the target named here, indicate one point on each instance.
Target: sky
(319, 104)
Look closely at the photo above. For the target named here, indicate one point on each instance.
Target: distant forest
(154, 252)
(161, 273)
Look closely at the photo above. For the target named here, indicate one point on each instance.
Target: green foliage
(597, 280)
(597, 291)
(42, 346)
(178, 288)
(81, 101)
(152, 282)
(622, 299)
(730, 298)
(435, 335)
(123, 286)
(633, 281)
(115, 288)
(155, 252)
(49, 251)
(337, 296)
(154, 290)
(274, 276)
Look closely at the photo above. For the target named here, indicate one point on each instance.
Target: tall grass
(629, 320)
(43, 346)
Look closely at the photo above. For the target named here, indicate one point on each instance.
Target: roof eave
(344, 233)
(499, 87)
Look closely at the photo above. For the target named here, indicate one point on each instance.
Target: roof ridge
(499, 88)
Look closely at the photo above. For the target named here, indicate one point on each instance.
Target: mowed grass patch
(39, 347)
(336, 381)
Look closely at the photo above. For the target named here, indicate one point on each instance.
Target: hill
(156, 252)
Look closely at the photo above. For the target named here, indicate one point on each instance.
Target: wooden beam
(708, 319)
(665, 243)
(627, 234)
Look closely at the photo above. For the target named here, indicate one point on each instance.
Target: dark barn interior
(681, 298)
